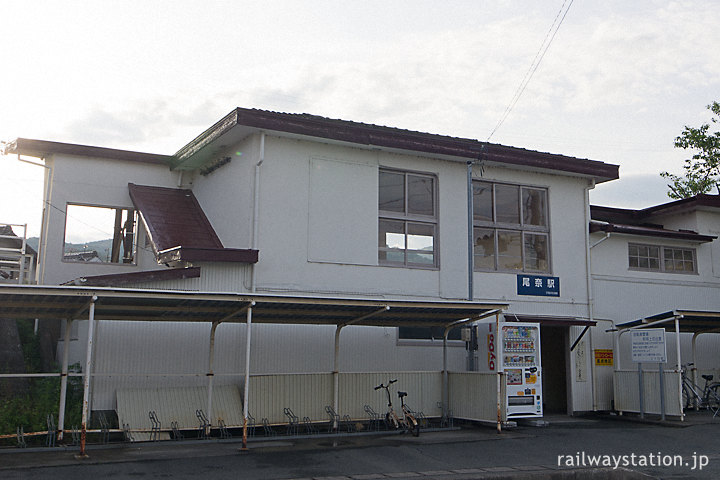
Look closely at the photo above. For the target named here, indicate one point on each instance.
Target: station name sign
(538, 286)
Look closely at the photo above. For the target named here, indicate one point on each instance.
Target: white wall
(97, 182)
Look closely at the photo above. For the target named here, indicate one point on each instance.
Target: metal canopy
(71, 302)
(689, 321)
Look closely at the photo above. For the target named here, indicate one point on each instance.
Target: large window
(407, 227)
(656, 258)
(511, 228)
(100, 234)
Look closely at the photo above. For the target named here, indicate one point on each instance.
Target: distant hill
(102, 247)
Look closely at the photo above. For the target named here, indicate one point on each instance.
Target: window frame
(136, 236)
(407, 218)
(661, 258)
(522, 228)
(429, 341)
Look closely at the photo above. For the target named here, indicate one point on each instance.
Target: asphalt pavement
(561, 448)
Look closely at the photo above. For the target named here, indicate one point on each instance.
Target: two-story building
(295, 204)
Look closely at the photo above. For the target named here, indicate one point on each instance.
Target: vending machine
(515, 351)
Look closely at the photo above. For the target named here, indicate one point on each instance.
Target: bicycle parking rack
(374, 422)
(250, 425)
(177, 434)
(75, 434)
(51, 432)
(127, 434)
(224, 432)
(310, 429)
(349, 424)
(21, 443)
(204, 427)
(293, 422)
(334, 419)
(155, 428)
(267, 428)
(104, 428)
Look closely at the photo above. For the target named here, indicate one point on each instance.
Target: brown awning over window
(178, 228)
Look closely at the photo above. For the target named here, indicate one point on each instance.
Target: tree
(702, 171)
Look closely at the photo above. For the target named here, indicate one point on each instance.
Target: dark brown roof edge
(700, 200)
(389, 137)
(41, 148)
(191, 254)
(550, 320)
(649, 232)
(117, 279)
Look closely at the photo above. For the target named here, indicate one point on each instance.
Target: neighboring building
(17, 258)
(659, 259)
(299, 204)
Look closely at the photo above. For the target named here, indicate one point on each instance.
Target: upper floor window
(656, 258)
(510, 227)
(100, 234)
(407, 225)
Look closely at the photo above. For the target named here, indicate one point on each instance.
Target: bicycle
(707, 397)
(407, 421)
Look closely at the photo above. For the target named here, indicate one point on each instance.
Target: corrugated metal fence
(627, 392)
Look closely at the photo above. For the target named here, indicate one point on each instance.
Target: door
(554, 346)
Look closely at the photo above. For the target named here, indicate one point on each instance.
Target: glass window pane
(391, 241)
(507, 206)
(482, 201)
(420, 195)
(99, 234)
(688, 255)
(654, 252)
(536, 252)
(654, 263)
(421, 244)
(392, 192)
(633, 250)
(634, 262)
(669, 266)
(534, 207)
(509, 250)
(644, 251)
(484, 248)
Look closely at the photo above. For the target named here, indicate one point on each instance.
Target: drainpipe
(589, 286)
(470, 230)
(256, 209)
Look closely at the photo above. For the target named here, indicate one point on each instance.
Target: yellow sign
(604, 356)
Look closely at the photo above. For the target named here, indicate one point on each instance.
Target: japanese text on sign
(603, 356)
(648, 345)
(539, 286)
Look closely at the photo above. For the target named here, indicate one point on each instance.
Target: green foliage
(31, 411)
(702, 171)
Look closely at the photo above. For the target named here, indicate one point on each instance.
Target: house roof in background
(179, 229)
(649, 231)
(626, 215)
(242, 121)
(121, 279)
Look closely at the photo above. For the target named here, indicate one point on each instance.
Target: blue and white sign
(648, 345)
(538, 286)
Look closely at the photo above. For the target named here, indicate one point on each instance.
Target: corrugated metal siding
(178, 404)
(473, 396)
(304, 394)
(424, 391)
(627, 395)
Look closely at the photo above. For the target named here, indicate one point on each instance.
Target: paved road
(469, 453)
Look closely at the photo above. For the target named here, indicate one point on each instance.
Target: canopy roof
(63, 302)
(690, 321)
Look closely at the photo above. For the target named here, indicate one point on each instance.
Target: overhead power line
(549, 36)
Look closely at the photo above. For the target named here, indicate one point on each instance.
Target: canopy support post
(86, 384)
(63, 379)
(679, 364)
(247, 375)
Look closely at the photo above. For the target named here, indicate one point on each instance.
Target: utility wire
(534, 64)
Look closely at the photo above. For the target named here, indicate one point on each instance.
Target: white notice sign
(648, 345)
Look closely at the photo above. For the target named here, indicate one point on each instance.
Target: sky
(618, 83)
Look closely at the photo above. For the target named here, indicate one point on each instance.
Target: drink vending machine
(515, 351)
